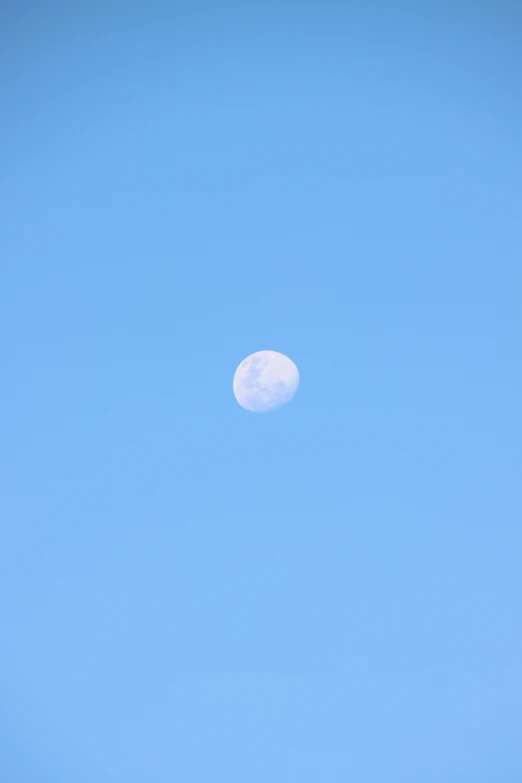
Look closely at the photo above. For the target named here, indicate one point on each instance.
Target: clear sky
(331, 592)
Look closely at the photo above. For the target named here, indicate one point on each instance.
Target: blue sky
(331, 592)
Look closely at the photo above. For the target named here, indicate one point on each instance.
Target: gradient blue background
(332, 592)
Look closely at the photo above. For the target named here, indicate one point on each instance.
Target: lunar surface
(265, 381)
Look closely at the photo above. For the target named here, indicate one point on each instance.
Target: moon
(265, 381)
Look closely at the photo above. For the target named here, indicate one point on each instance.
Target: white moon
(265, 381)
